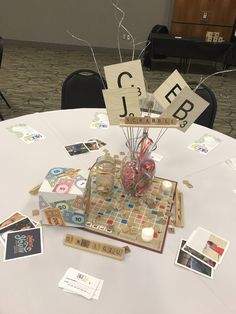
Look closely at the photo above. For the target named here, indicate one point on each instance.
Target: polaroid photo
(100, 143)
(16, 216)
(208, 244)
(23, 243)
(200, 257)
(189, 262)
(76, 149)
(22, 224)
(92, 146)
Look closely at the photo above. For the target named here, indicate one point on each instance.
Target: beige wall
(93, 20)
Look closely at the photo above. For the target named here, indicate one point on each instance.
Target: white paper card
(100, 121)
(77, 282)
(26, 133)
(205, 144)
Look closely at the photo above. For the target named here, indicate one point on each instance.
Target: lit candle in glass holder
(147, 234)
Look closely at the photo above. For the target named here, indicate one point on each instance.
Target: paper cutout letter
(126, 74)
(186, 107)
(121, 102)
(169, 89)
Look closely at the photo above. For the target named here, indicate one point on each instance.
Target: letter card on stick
(126, 74)
(186, 107)
(121, 102)
(169, 89)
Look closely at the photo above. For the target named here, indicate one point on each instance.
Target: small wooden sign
(126, 74)
(149, 122)
(121, 102)
(169, 89)
(101, 248)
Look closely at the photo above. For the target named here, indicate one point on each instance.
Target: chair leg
(1, 94)
(1, 117)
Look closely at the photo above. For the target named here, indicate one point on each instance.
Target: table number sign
(121, 102)
(168, 90)
(186, 107)
(126, 74)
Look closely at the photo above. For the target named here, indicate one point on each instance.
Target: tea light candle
(166, 186)
(147, 234)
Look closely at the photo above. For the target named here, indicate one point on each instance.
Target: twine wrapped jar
(105, 171)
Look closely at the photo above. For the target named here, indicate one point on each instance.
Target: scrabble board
(122, 217)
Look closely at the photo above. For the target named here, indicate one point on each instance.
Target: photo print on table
(76, 149)
(23, 243)
(189, 262)
(209, 244)
(16, 216)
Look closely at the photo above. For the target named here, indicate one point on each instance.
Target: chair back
(1, 50)
(83, 89)
(207, 117)
(159, 29)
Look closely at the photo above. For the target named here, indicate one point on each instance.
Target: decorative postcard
(205, 144)
(22, 224)
(11, 219)
(25, 133)
(77, 149)
(99, 142)
(208, 244)
(23, 243)
(200, 257)
(189, 262)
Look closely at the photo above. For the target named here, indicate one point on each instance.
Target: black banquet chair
(83, 89)
(207, 117)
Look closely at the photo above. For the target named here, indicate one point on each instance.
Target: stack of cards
(74, 281)
(81, 148)
(20, 236)
(202, 252)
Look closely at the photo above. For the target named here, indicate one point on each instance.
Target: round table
(145, 281)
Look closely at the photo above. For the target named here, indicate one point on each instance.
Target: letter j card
(23, 243)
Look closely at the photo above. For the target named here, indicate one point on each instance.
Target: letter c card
(126, 74)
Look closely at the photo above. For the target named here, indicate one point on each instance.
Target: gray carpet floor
(31, 78)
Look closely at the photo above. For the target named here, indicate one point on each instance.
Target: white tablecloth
(144, 282)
